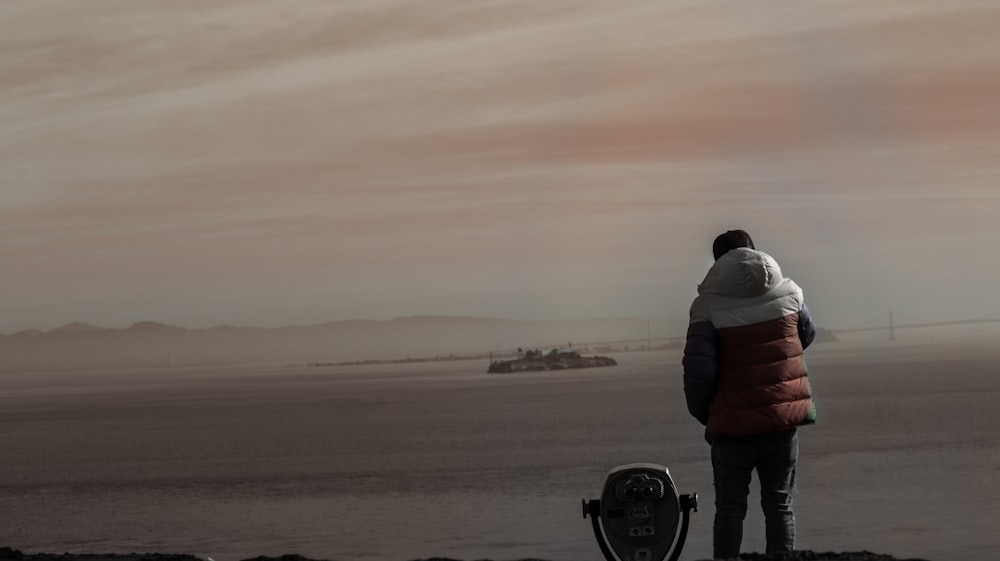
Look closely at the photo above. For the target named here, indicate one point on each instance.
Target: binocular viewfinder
(637, 516)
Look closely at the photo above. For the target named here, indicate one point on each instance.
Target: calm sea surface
(405, 461)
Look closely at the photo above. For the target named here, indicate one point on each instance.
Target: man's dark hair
(731, 240)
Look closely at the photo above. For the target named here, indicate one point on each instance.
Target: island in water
(551, 359)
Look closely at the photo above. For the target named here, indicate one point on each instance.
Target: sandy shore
(16, 555)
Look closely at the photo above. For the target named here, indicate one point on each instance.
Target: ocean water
(398, 462)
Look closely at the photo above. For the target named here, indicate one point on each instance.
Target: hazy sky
(264, 163)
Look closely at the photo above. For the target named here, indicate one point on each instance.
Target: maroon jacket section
(761, 384)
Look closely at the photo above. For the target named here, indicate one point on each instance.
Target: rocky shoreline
(8, 554)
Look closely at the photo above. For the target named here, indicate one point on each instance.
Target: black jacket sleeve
(807, 328)
(700, 366)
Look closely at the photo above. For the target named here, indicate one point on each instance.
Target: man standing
(745, 380)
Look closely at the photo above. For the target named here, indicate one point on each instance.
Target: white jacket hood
(745, 286)
(742, 273)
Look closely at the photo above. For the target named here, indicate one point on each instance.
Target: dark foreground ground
(15, 555)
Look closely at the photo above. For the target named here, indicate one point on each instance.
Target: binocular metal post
(637, 516)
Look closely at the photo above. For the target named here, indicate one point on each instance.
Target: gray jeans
(773, 455)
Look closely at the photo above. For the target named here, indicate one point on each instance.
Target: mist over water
(395, 462)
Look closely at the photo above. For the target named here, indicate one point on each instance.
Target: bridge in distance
(891, 326)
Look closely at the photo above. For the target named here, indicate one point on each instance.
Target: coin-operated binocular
(638, 513)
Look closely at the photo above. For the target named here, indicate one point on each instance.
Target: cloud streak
(378, 158)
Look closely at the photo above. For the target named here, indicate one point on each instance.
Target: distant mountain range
(151, 344)
(84, 346)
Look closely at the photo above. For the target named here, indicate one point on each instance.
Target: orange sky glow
(260, 163)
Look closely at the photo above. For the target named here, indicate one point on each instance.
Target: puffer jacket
(744, 370)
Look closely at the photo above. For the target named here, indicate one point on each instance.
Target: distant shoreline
(476, 356)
